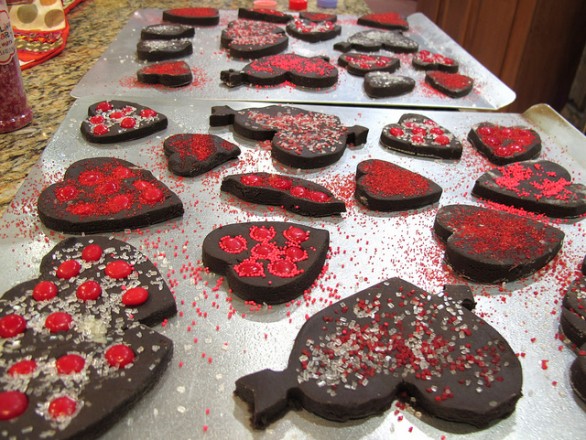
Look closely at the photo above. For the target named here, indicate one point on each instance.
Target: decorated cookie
(538, 186)
(373, 40)
(490, 246)
(578, 374)
(160, 50)
(386, 20)
(314, 72)
(193, 16)
(318, 16)
(503, 144)
(420, 136)
(76, 352)
(105, 194)
(453, 85)
(292, 193)
(119, 121)
(384, 186)
(167, 73)
(266, 262)
(260, 14)
(354, 358)
(360, 64)
(312, 31)
(192, 154)
(426, 60)
(166, 31)
(384, 84)
(299, 138)
(253, 39)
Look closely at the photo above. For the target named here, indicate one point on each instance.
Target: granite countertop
(93, 26)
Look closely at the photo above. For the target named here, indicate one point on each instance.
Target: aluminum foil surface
(218, 338)
(115, 72)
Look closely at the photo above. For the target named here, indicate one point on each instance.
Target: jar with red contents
(14, 110)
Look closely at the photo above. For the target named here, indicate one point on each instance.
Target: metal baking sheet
(218, 338)
(115, 72)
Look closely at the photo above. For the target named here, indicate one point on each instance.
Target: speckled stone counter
(94, 24)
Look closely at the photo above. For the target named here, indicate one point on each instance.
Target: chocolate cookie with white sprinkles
(373, 40)
(384, 84)
(160, 50)
(253, 39)
(355, 357)
(166, 31)
(311, 31)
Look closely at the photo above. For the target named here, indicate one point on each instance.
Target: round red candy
(69, 364)
(22, 368)
(135, 296)
(296, 234)
(89, 291)
(12, 325)
(233, 245)
(128, 123)
(104, 106)
(118, 269)
(45, 290)
(119, 356)
(12, 404)
(58, 322)
(152, 195)
(91, 253)
(62, 407)
(66, 193)
(68, 269)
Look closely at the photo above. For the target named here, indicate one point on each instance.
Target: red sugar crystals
(385, 20)
(427, 60)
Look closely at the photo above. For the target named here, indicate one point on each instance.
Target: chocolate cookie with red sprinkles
(294, 194)
(360, 64)
(167, 73)
(253, 39)
(105, 194)
(120, 121)
(311, 31)
(421, 136)
(161, 50)
(540, 186)
(453, 85)
(491, 246)
(426, 60)
(318, 16)
(384, 186)
(505, 144)
(261, 14)
(266, 262)
(385, 20)
(299, 138)
(354, 358)
(76, 350)
(310, 72)
(166, 31)
(384, 84)
(192, 154)
(193, 16)
(373, 40)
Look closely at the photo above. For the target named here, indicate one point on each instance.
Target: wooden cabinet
(533, 46)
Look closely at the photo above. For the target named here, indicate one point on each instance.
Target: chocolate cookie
(385, 84)
(299, 138)
(292, 193)
(318, 16)
(270, 15)
(538, 186)
(167, 73)
(360, 64)
(426, 60)
(503, 145)
(385, 20)
(420, 136)
(253, 39)
(76, 352)
(490, 246)
(193, 16)
(105, 194)
(453, 85)
(312, 31)
(266, 262)
(118, 121)
(384, 186)
(373, 40)
(166, 31)
(160, 50)
(194, 154)
(354, 358)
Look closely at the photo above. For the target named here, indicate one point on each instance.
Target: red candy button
(118, 269)
(119, 355)
(135, 296)
(62, 407)
(69, 364)
(45, 290)
(12, 404)
(58, 322)
(12, 325)
(68, 269)
(89, 291)
(22, 368)
(91, 253)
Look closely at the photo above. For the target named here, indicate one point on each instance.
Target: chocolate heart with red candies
(491, 246)
(355, 357)
(76, 351)
(505, 144)
(192, 154)
(169, 73)
(266, 262)
(426, 60)
(118, 121)
(106, 194)
(453, 85)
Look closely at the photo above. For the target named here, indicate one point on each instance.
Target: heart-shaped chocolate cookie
(166, 31)
(264, 14)
(313, 72)
(76, 353)
(426, 60)
(354, 358)
(385, 20)
(505, 144)
(421, 136)
(300, 138)
(385, 84)
(160, 50)
(360, 64)
(292, 193)
(490, 246)
(169, 73)
(373, 40)
(312, 31)
(384, 186)
(538, 186)
(193, 16)
(105, 194)
(266, 262)
(119, 121)
(453, 85)
(318, 16)
(192, 154)
(253, 39)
